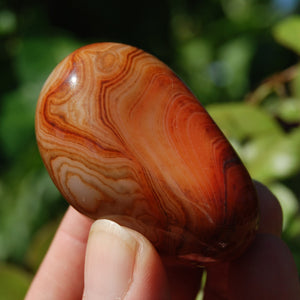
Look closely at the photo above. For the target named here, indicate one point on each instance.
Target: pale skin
(102, 260)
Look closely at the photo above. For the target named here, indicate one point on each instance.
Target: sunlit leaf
(287, 109)
(295, 84)
(287, 32)
(271, 157)
(294, 228)
(241, 121)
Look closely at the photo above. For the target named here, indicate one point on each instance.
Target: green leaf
(293, 231)
(27, 202)
(287, 109)
(14, 282)
(8, 22)
(17, 121)
(240, 121)
(272, 157)
(235, 58)
(200, 295)
(287, 33)
(194, 58)
(295, 84)
(38, 56)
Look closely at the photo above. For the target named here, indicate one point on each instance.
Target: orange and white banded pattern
(123, 138)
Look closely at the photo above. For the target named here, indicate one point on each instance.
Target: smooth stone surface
(124, 139)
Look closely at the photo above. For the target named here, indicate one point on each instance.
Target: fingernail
(110, 259)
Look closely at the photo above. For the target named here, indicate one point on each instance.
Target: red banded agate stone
(124, 139)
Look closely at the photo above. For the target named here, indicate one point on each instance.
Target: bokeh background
(240, 58)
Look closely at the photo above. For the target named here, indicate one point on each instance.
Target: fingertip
(122, 264)
(110, 261)
(61, 272)
(271, 217)
(266, 271)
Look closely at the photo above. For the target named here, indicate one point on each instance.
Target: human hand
(107, 261)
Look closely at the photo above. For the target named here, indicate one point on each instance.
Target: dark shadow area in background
(139, 23)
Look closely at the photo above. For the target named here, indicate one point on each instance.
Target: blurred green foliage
(239, 57)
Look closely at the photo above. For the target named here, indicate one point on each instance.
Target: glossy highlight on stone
(124, 139)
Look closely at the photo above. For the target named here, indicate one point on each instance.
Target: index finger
(60, 275)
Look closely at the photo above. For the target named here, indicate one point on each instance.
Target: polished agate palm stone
(124, 139)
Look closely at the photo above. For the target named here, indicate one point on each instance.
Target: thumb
(122, 264)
